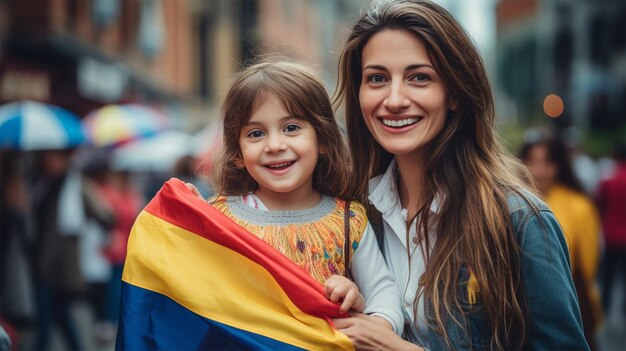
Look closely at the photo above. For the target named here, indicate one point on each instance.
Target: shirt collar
(383, 191)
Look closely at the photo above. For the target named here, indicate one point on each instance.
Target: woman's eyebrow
(377, 67)
(408, 68)
(419, 65)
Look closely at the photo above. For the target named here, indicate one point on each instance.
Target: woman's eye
(421, 77)
(376, 78)
(291, 128)
(255, 134)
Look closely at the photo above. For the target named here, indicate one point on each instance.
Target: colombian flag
(195, 280)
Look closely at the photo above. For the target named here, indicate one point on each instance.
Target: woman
(549, 162)
(481, 262)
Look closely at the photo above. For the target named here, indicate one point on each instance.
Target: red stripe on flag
(177, 205)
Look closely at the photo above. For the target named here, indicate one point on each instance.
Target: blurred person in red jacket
(118, 194)
(126, 202)
(612, 204)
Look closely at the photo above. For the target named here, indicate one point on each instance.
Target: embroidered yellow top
(312, 238)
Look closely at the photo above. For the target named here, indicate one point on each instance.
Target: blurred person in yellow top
(549, 161)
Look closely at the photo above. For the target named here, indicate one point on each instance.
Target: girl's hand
(366, 333)
(194, 190)
(341, 289)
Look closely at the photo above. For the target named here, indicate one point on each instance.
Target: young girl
(481, 263)
(283, 175)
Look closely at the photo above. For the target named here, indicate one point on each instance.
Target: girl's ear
(323, 150)
(239, 162)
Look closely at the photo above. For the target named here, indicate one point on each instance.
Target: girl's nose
(275, 144)
(397, 99)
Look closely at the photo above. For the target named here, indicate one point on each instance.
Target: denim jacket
(555, 322)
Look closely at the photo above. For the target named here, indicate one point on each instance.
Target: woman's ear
(323, 150)
(452, 104)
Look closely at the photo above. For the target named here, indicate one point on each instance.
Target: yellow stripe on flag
(220, 284)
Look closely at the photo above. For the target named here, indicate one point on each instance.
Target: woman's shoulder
(532, 219)
(521, 200)
(524, 206)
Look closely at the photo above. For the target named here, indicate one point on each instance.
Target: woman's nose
(397, 98)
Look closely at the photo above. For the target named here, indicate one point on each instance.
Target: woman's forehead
(394, 47)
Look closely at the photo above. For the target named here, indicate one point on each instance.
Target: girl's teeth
(280, 165)
(399, 123)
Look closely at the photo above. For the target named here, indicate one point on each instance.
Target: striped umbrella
(29, 125)
(117, 124)
(157, 153)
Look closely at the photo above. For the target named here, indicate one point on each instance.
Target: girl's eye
(255, 134)
(291, 128)
(376, 78)
(421, 78)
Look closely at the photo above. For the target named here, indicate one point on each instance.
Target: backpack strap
(376, 221)
(346, 241)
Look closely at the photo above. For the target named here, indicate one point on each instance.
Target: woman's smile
(400, 123)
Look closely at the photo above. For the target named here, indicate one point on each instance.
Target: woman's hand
(366, 333)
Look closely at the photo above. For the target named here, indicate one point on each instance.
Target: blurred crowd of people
(66, 215)
(589, 200)
(65, 219)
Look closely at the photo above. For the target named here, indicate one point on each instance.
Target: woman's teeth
(400, 122)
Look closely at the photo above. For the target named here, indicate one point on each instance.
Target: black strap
(346, 241)
(376, 221)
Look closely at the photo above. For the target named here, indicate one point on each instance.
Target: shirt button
(415, 240)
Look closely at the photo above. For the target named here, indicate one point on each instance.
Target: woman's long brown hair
(467, 164)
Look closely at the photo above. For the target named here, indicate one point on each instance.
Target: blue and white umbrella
(29, 125)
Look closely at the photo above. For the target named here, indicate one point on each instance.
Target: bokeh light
(553, 105)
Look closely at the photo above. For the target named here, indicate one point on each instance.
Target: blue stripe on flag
(151, 321)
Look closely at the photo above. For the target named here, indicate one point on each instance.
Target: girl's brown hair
(466, 164)
(303, 95)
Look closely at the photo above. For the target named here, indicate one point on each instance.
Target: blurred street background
(103, 100)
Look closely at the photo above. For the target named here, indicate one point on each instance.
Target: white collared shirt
(385, 197)
(368, 272)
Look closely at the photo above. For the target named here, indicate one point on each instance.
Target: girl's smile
(280, 152)
(278, 168)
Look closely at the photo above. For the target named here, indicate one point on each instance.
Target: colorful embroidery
(317, 247)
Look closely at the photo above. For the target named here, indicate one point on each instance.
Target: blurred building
(84, 54)
(177, 55)
(230, 33)
(575, 49)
